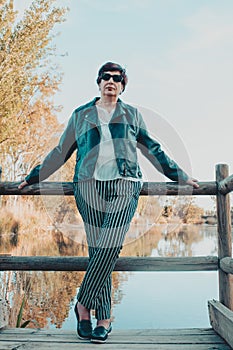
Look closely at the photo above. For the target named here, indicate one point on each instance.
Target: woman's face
(109, 87)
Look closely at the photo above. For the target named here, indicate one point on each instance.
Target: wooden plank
(143, 337)
(221, 319)
(122, 332)
(226, 264)
(111, 346)
(224, 238)
(148, 188)
(183, 339)
(126, 335)
(10, 345)
(226, 185)
(46, 263)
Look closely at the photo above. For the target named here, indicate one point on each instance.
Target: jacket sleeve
(151, 149)
(57, 157)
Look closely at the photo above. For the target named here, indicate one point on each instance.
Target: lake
(140, 299)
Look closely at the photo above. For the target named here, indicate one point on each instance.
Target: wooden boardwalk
(156, 339)
(220, 312)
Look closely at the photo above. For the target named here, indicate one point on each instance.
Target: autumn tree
(149, 207)
(28, 81)
(193, 215)
(185, 208)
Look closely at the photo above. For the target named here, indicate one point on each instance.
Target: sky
(178, 55)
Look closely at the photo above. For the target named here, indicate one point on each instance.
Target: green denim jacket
(83, 134)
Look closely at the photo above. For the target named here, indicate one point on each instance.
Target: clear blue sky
(178, 54)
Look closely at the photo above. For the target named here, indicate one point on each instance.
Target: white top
(106, 165)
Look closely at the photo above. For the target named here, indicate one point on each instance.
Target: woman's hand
(22, 185)
(192, 182)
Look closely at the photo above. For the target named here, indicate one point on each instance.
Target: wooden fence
(220, 312)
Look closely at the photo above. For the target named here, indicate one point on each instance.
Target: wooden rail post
(224, 238)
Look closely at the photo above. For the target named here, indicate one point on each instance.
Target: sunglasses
(116, 77)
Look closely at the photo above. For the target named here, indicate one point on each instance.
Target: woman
(107, 182)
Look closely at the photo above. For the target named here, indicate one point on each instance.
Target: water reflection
(189, 240)
(50, 294)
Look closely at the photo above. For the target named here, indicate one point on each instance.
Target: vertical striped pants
(107, 208)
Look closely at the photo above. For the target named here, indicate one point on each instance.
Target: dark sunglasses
(116, 77)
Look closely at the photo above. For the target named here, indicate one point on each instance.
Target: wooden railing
(221, 312)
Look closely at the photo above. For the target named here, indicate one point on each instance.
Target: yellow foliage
(28, 81)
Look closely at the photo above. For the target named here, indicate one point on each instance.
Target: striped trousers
(107, 208)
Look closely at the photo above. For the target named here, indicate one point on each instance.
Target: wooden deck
(156, 339)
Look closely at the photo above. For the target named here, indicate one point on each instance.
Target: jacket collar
(91, 114)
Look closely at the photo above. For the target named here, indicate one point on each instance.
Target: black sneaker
(100, 334)
(84, 327)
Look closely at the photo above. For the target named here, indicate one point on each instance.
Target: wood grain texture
(148, 189)
(184, 339)
(221, 319)
(226, 185)
(226, 264)
(224, 237)
(46, 263)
